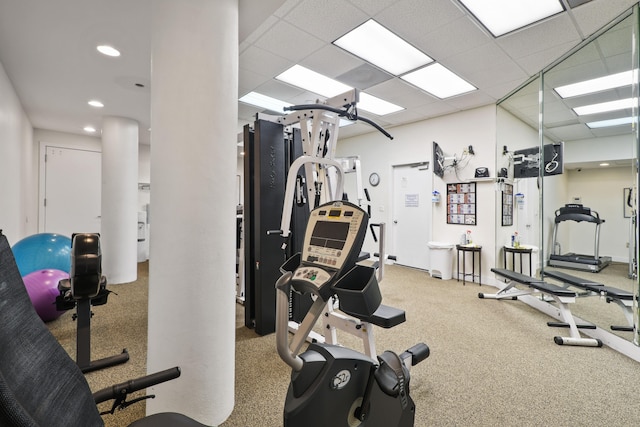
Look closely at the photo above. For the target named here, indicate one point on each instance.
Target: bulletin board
(461, 203)
(507, 205)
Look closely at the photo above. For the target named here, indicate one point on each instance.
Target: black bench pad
(590, 285)
(534, 283)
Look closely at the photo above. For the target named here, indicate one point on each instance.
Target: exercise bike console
(332, 242)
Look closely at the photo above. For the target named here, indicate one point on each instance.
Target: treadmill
(578, 213)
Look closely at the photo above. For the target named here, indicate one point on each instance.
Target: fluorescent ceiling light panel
(612, 122)
(264, 101)
(438, 81)
(379, 46)
(596, 85)
(605, 107)
(503, 16)
(376, 105)
(89, 129)
(314, 82)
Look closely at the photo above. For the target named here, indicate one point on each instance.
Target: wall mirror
(568, 140)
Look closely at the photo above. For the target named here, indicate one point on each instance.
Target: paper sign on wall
(411, 200)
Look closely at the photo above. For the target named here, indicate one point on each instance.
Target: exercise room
(295, 213)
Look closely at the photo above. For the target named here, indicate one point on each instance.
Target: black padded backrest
(40, 385)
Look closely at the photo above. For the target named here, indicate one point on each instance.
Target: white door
(72, 191)
(411, 215)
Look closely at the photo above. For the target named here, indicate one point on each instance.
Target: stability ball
(42, 287)
(43, 250)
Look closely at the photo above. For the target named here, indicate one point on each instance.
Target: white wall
(413, 143)
(18, 178)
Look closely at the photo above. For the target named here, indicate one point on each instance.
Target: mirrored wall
(567, 150)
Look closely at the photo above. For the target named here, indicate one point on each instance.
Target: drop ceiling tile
(410, 19)
(289, 42)
(331, 61)
(279, 90)
(470, 100)
(401, 93)
(592, 16)
(540, 37)
(535, 62)
(268, 23)
(248, 80)
(326, 19)
(373, 7)
(460, 35)
(263, 62)
(287, 7)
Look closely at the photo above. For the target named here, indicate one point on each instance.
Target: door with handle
(411, 215)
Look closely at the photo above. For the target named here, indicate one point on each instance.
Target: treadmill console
(333, 239)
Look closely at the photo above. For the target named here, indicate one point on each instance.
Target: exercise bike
(332, 385)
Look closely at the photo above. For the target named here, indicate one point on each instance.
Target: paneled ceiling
(47, 49)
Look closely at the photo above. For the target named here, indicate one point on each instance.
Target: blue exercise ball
(42, 251)
(42, 287)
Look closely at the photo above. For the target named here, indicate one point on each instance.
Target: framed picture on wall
(507, 205)
(627, 202)
(461, 203)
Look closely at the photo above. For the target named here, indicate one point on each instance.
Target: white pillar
(194, 90)
(119, 200)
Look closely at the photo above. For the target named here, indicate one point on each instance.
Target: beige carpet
(492, 362)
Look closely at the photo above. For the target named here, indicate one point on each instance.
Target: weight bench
(623, 298)
(558, 294)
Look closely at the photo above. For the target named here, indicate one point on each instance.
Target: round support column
(194, 104)
(119, 200)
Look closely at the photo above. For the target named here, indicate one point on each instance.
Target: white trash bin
(441, 260)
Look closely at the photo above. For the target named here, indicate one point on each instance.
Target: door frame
(42, 177)
(426, 164)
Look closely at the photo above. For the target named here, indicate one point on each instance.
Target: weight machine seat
(386, 317)
(40, 385)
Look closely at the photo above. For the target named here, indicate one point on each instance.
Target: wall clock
(374, 179)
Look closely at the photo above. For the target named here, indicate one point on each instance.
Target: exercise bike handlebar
(127, 387)
(339, 112)
(282, 321)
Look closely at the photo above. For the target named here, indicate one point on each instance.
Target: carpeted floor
(492, 362)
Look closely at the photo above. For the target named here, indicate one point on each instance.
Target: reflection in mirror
(572, 162)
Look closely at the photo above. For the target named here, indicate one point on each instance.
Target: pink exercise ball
(42, 287)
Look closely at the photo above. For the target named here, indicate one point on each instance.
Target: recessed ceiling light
(95, 103)
(604, 164)
(376, 105)
(503, 16)
(599, 84)
(108, 50)
(314, 82)
(89, 129)
(379, 46)
(439, 81)
(605, 107)
(264, 101)
(611, 122)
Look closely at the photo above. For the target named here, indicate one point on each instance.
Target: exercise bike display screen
(332, 242)
(330, 234)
